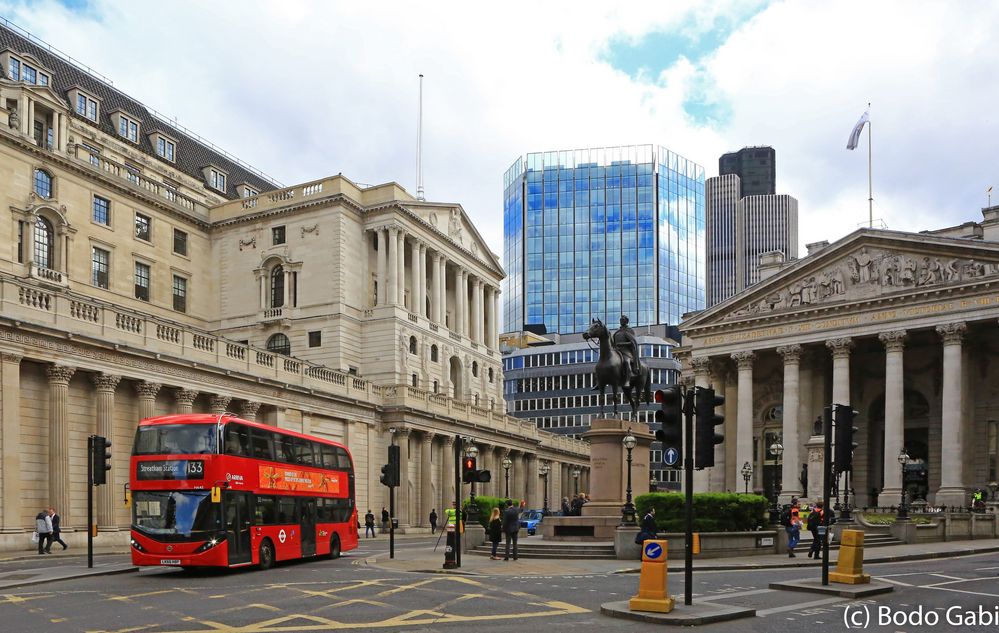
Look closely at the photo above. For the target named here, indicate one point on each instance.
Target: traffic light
(390, 471)
(705, 421)
(101, 456)
(844, 438)
(670, 419)
(468, 470)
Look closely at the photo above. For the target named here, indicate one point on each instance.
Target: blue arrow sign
(671, 457)
(653, 550)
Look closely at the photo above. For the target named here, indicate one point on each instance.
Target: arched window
(279, 344)
(490, 374)
(43, 183)
(415, 381)
(435, 386)
(412, 344)
(277, 287)
(475, 368)
(44, 243)
(433, 353)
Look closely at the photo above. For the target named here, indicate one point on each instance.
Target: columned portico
(952, 484)
(426, 478)
(104, 386)
(744, 425)
(791, 487)
(894, 343)
(402, 493)
(59, 474)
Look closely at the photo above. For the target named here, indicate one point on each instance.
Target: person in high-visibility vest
(451, 516)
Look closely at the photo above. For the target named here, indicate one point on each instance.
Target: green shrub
(484, 505)
(713, 511)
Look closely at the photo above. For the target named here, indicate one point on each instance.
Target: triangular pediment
(452, 221)
(865, 265)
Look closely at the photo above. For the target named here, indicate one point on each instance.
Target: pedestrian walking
(511, 526)
(647, 530)
(43, 526)
(433, 520)
(566, 509)
(56, 531)
(385, 519)
(814, 521)
(791, 520)
(495, 531)
(369, 524)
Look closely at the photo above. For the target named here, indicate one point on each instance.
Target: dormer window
(127, 126)
(19, 70)
(246, 191)
(86, 105)
(216, 178)
(166, 148)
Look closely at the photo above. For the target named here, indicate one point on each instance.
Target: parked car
(529, 520)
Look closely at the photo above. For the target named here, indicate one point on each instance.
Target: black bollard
(450, 562)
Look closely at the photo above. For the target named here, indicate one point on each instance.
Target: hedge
(713, 511)
(485, 504)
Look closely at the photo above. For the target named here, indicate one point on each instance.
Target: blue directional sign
(671, 456)
(653, 551)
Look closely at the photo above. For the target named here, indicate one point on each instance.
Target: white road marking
(895, 582)
(794, 607)
(738, 594)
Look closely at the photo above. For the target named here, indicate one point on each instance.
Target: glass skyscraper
(599, 233)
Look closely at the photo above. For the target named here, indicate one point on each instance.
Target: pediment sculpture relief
(869, 273)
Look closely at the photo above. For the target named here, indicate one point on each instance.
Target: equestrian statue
(619, 364)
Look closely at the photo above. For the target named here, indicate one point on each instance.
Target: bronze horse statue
(612, 369)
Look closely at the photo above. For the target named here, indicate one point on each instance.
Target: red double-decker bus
(210, 490)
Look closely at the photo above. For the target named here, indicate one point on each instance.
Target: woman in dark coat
(495, 531)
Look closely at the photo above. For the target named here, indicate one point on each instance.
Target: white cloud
(306, 89)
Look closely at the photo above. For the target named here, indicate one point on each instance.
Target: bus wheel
(266, 553)
(335, 547)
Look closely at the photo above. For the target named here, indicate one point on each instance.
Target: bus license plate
(169, 561)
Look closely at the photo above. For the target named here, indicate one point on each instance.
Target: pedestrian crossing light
(390, 471)
(843, 456)
(469, 473)
(705, 421)
(670, 419)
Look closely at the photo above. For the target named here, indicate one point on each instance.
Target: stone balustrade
(122, 172)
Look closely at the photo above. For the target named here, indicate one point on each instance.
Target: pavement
(22, 569)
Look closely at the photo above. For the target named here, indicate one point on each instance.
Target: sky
(303, 90)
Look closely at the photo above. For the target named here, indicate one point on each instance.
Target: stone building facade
(144, 272)
(901, 326)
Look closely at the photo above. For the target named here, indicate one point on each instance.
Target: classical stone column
(479, 319)
(460, 299)
(952, 488)
(146, 392)
(447, 474)
(744, 423)
(426, 482)
(392, 288)
(219, 403)
(840, 349)
(105, 385)
(380, 257)
(59, 479)
(248, 411)
(520, 476)
(894, 343)
(421, 303)
(436, 290)
(10, 432)
(534, 492)
(790, 486)
(401, 271)
(702, 378)
(402, 497)
(185, 400)
(414, 277)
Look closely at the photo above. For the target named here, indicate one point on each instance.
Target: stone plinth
(609, 466)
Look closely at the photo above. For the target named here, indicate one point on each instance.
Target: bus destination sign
(170, 469)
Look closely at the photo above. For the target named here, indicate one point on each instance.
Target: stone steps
(555, 549)
(870, 540)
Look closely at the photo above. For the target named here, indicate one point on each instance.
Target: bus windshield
(175, 439)
(176, 516)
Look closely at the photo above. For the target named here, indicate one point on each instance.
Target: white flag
(857, 129)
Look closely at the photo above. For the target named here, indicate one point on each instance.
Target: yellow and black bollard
(652, 585)
(850, 564)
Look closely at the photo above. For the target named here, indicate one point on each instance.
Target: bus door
(308, 526)
(237, 526)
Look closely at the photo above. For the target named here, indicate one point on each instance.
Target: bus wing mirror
(216, 494)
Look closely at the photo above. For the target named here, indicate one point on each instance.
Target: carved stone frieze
(868, 273)
(250, 243)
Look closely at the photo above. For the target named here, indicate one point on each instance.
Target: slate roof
(191, 154)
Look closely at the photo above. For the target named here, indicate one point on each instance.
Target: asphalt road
(347, 594)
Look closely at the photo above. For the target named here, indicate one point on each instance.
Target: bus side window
(343, 459)
(284, 449)
(328, 456)
(266, 511)
(261, 441)
(303, 452)
(286, 510)
(237, 439)
(325, 510)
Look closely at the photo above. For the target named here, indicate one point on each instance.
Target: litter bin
(395, 524)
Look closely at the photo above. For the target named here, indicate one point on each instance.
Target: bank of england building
(144, 271)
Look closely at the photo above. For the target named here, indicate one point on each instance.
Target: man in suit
(511, 526)
(43, 525)
(56, 529)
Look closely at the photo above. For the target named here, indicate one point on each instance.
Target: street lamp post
(628, 511)
(473, 510)
(544, 469)
(776, 449)
(507, 463)
(575, 480)
(747, 474)
(992, 487)
(903, 461)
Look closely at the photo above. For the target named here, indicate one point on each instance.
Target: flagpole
(870, 190)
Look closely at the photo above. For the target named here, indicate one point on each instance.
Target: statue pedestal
(815, 449)
(608, 482)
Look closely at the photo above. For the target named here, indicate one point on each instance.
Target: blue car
(529, 520)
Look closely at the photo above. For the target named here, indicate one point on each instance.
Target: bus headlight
(210, 543)
(136, 545)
